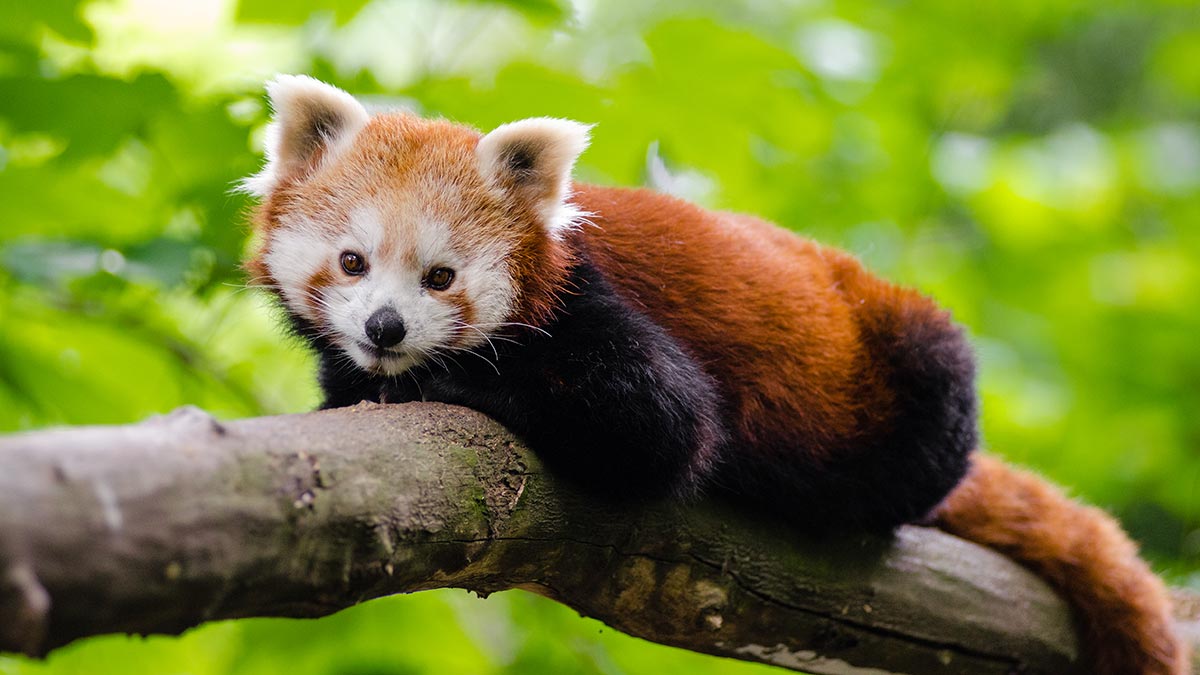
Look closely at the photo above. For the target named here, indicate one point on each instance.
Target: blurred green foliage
(1035, 165)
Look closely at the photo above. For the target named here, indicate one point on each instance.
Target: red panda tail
(1122, 608)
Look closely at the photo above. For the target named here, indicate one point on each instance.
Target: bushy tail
(1123, 609)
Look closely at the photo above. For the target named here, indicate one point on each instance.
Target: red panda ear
(532, 160)
(312, 121)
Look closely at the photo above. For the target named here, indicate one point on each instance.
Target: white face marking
(400, 246)
(295, 256)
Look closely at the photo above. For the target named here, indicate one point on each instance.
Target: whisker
(483, 335)
(515, 323)
(416, 382)
(459, 350)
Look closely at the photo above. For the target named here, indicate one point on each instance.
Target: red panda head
(395, 238)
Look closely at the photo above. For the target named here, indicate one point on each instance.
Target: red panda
(642, 344)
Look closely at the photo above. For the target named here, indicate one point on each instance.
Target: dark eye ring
(439, 278)
(353, 263)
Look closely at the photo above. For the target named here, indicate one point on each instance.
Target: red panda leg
(1123, 609)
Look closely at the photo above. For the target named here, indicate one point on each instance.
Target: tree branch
(157, 527)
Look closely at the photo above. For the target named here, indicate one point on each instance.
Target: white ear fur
(312, 120)
(533, 159)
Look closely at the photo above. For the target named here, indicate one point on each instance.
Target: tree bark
(160, 526)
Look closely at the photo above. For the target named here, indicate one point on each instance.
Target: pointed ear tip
(579, 132)
(285, 84)
(568, 123)
(281, 78)
(561, 123)
(583, 136)
(284, 87)
(582, 128)
(282, 81)
(284, 91)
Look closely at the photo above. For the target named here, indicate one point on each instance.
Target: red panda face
(399, 240)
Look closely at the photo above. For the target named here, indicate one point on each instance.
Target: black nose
(385, 328)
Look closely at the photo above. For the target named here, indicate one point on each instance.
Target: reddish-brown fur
(1122, 608)
(777, 319)
(781, 322)
(790, 331)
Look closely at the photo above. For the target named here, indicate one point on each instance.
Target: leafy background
(1034, 164)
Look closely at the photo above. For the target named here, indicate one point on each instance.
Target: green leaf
(19, 20)
(92, 113)
(301, 11)
(297, 12)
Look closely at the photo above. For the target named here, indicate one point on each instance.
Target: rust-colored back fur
(762, 309)
(786, 326)
(1122, 608)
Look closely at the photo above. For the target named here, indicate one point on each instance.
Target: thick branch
(161, 526)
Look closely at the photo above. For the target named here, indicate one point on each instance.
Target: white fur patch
(400, 249)
(299, 102)
(296, 253)
(554, 146)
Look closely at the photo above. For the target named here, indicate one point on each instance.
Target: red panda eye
(439, 278)
(353, 263)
